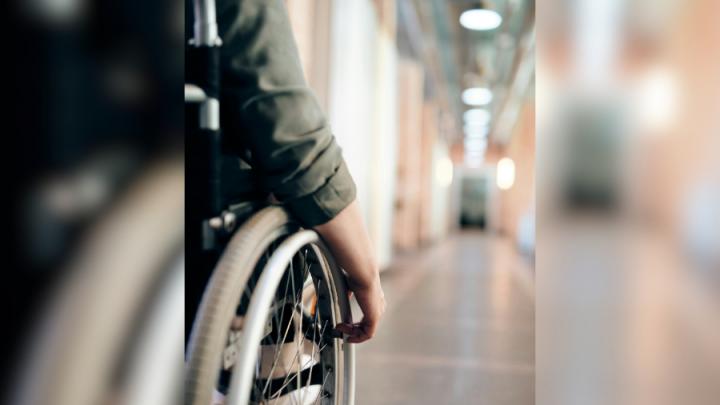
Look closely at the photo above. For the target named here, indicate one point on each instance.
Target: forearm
(348, 240)
(270, 112)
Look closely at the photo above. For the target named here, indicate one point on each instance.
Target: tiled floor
(459, 328)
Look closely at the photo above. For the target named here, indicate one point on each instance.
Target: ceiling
(459, 58)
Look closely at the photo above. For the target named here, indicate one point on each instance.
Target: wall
(519, 200)
(410, 109)
(375, 102)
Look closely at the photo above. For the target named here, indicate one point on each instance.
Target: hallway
(459, 328)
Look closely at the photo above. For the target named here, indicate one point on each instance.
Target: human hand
(371, 300)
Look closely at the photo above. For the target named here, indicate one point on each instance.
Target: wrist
(369, 283)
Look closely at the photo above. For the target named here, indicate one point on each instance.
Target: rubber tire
(221, 297)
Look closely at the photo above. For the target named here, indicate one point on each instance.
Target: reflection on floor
(459, 328)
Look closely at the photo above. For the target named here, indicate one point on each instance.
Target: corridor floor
(459, 328)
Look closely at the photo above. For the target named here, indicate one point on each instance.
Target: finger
(353, 333)
(362, 337)
(343, 327)
(347, 329)
(365, 331)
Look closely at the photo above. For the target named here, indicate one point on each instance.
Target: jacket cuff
(326, 202)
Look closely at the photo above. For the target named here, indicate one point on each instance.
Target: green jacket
(269, 110)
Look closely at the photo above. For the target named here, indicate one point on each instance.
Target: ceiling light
(475, 131)
(473, 145)
(480, 19)
(657, 100)
(505, 173)
(477, 96)
(444, 172)
(477, 116)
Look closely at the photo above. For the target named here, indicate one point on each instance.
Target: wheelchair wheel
(112, 331)
(264, 331)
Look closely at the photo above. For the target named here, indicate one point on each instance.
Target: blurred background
(628, 229)
(425, 108)
(433, 103)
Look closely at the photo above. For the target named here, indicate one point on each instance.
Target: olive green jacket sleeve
(270, 111)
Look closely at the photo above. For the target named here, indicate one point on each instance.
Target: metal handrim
(248, 366)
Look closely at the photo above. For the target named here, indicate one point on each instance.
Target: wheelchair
(263, 332)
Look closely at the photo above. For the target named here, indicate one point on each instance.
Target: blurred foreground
(94, 298)
(628, 253)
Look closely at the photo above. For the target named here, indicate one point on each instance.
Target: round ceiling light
(477, 116)
(480, 19)
(475, 131)
(477, 96)
(475, 145)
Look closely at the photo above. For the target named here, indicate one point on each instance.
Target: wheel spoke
(312, 352)
(322, 389)
(301, 308)
(278, 344)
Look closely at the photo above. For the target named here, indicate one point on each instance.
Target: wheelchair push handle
(203, 88)
(205, 31)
